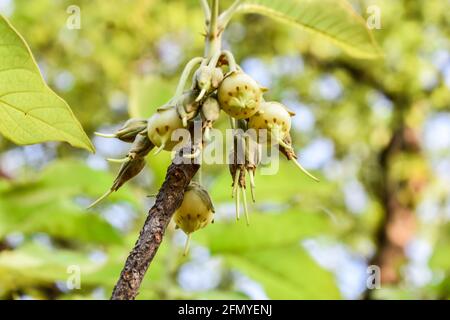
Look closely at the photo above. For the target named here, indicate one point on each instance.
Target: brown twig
(168, 200)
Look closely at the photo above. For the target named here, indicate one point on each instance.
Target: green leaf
(69, 178)
(28, 210)
(441, 258)
(34, 264)
(286, 273)
(30, 111)
(269, 252)
(265, 231)
(332, 19)
(147, 94)
(47, 204)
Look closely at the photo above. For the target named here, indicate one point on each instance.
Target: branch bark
(168, 200)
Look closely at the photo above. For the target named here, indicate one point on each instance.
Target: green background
(306, 240)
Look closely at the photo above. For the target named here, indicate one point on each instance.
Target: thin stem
(244, 201)
(206, 11)
(185, 76)
(232, 123)
(187, 244)
(226, 16)
(215, 59)
(231, 61)
(252, 185)
(238, 205)
(304, 170)
(105, 135)
(235, 184)
(213, 41)
(160, 148)
(122, 160)
(199, 176)
(104, 196)
(214, 17)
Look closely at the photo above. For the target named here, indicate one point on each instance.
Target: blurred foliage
(125, 60)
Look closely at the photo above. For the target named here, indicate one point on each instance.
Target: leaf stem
(185, 76)
(206, 11)
(231, 61)
(213, 39)
(214, 17)
(226, 16)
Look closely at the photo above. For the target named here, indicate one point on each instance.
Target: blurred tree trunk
(399, 223)
(403, 176)
(401, 172)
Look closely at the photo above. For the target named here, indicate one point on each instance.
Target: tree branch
(168, 200)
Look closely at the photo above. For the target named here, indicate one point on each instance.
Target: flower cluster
(218, 84)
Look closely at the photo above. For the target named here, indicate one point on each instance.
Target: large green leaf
(47, 204)
(30, 111)
(286, 273)
(57, 219)
(441, 257)
(69, 178)
(265, 231)
(269, 251)
(34, 264)
(333, 19)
